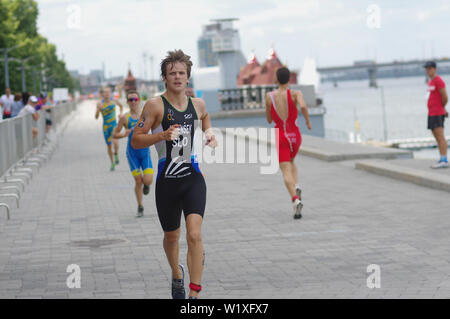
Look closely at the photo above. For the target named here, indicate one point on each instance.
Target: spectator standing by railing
(17, 105)
(46, 105)
(25, 97)
(30, 108)
(7, 101)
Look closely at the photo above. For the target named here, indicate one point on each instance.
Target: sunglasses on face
(133, 99)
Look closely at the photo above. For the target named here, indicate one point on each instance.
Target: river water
(405, 102)
(353, 103)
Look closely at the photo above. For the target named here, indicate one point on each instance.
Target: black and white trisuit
(180, 185)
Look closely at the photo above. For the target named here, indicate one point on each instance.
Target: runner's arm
(268, 105)
(204, 115)
(206, 124)
(304, 109)
(149, 116)
(118, 128)
(97, 111)
(120, 107)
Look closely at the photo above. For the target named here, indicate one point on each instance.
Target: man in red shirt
(436, 111)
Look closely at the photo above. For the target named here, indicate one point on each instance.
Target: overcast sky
(334, 32)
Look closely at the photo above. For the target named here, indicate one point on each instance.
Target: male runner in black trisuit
(173, 119)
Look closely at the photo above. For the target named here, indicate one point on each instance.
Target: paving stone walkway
(77, 212)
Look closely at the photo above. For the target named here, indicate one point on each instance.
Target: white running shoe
(297, 209)
(440, 165)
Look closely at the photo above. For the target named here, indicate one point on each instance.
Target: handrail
(7, 209)
(17, 144)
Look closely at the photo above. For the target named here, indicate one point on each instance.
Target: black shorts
(186, 194)
(435, 121)
(48, 122)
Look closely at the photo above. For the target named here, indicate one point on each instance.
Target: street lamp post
(37, 70)
(383, 108)
(152, 76)
(22, 68)
(33, 71)
(5, 59)
(43, 78)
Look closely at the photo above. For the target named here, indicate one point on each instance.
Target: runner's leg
(195, 249)
(286, 169)
(171, 247)
(138, 188)
(148, 179)
(147, 169)
(110, 153)
(116, 149)
(294, 171)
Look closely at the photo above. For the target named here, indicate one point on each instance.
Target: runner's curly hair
(176, 56)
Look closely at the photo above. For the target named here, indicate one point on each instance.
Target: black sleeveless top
(177, 159)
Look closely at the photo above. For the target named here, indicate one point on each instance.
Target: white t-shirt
(7, 102)
(27, 109)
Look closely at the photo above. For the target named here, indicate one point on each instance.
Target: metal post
(40, 81)
(34, 79)
(383, 106)
(372, 77)
(24, 86)
(5, 57)
(153, 90)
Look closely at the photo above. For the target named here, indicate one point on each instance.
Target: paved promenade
(75, 211)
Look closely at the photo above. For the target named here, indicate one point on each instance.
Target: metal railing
(244, 98)
(254, 97)
(20, 151)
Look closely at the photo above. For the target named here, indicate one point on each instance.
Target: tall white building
(227, 45)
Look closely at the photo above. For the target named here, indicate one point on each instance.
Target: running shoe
(298, 192)
(178, 291)
(113, 167)
(440, 164)
(116, 156)
(140, 212)
(193, 297)
(146, 189)
(298, 209)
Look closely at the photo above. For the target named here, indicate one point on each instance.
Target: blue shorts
(139, 160)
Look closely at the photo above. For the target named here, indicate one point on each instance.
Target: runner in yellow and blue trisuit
(107, 108)
(139, 159)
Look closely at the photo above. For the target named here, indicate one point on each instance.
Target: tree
(18, 26)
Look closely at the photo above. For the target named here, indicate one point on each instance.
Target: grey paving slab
(415, 171)
(254, 248)
(332, 151)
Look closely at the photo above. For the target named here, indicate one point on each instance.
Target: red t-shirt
(435, 106)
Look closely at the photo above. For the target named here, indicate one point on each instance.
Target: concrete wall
(211, 99)
(230, 65)
(317, 122)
